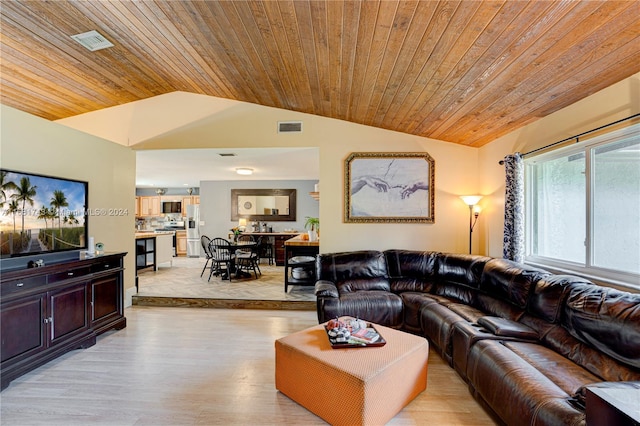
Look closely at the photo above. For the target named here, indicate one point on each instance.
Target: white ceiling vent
(92, 40)
(289, 126)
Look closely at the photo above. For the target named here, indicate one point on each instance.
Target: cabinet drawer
(105, 266)
(68, 274)
(23, 284)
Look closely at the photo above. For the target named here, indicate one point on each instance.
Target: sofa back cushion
(497, 307)
(586, 356)
(606, 319)
(548, 296)
(411, 270)
(510, 281)
(354, 271)
(464, 269)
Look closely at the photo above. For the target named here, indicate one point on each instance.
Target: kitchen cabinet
(181, 243)
(278, 248)
(48, 311)
(149, 206)
(278, 239)
(164, 248)
(137, 207)
(145, 252)
(187, 201)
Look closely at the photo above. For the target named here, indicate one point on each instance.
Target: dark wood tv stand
(48, 311)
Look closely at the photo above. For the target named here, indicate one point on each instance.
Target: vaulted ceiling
(460, 71)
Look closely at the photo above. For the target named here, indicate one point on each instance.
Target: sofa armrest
(326, 288)
(507, 328)
(580, 398)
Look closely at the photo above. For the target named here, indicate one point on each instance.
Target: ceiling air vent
(289, 126)
(92, 40)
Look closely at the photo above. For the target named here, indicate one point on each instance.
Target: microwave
(171, 207)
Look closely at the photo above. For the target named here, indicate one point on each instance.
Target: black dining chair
(205, 241)
(247, 259)
(222, 258)
(265, 248)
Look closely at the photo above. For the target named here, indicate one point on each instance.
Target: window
(583, 207)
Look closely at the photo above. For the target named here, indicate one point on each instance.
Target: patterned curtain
(513, 245)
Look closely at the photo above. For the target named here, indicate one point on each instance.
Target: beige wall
(32, 144)
(248, 125)
(606, 106)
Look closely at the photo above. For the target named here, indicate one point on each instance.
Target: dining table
(233, 247)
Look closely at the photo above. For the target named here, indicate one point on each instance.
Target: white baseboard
(128, 295)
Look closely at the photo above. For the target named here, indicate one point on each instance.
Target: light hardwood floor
(198, 367)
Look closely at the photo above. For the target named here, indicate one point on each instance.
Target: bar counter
(298, 241)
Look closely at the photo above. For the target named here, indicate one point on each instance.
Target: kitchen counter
(271, 233)
(296, 249)
(298, 241)
(151, 234)
(153, 248)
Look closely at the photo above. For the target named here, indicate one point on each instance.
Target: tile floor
(182, 280)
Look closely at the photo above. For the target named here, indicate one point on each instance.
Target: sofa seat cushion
(380, 307)
(566, 374)
(413, 302)
(360, 284)
(516, 390)
(406, 284)
(437, 322)
(469, 313)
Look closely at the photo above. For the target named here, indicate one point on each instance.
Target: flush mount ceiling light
(244, 171)
(92, 40)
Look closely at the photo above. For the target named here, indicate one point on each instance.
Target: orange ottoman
(351, 386)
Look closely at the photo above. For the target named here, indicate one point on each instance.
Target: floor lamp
(471, 201)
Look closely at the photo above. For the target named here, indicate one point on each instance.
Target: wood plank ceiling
(460, 71)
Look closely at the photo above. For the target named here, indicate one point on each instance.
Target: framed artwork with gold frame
(389, 187)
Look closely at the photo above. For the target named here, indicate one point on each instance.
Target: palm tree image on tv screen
(41, 214)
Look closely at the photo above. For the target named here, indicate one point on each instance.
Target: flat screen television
(41, 214)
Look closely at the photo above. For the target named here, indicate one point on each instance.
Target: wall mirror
(268, 205)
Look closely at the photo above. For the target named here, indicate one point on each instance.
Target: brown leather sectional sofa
(527, 342)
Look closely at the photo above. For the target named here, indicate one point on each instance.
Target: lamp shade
(471, 200)
(242, 222)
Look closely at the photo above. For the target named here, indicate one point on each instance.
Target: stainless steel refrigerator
(193, 230)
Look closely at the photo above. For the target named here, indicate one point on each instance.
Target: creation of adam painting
(389, 187)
